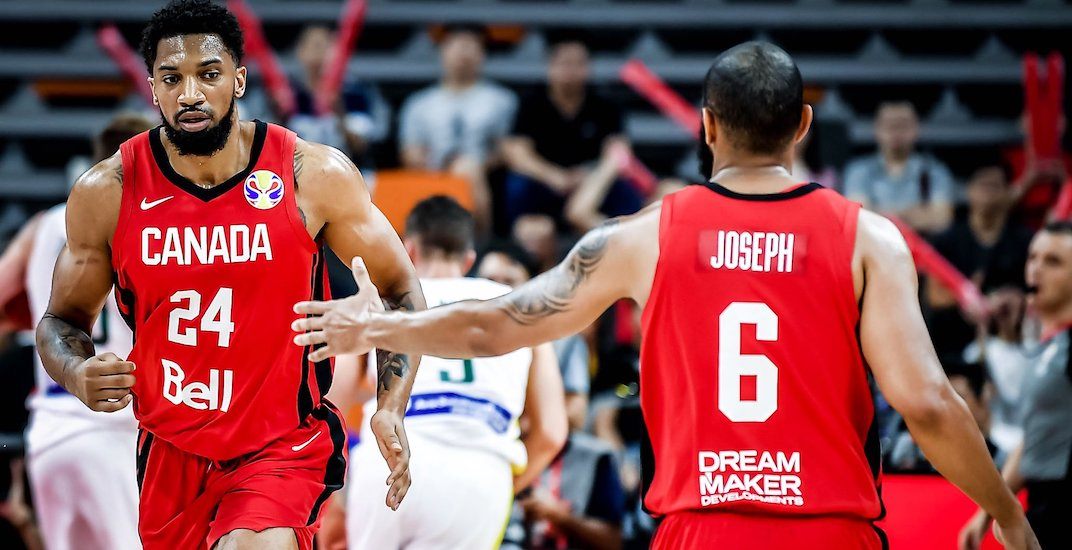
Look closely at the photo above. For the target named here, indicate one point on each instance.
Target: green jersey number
(466, 375)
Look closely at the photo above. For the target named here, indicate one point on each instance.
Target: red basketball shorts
(700, 530)
(190, 502)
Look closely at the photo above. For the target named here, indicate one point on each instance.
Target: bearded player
(211, 227)
(765, 301)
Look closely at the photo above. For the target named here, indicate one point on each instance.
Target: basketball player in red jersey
(211, 228)
(766, 302)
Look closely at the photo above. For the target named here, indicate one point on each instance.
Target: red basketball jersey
(753, 387)
(207, 279)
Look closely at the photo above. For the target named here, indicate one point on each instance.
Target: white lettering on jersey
(754, 251)
(205, 245)
(197, 395)
(728, 476)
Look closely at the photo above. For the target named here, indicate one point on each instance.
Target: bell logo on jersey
(263, 189)
(197, 395)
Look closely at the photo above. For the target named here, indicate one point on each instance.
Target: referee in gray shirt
(1043, 462)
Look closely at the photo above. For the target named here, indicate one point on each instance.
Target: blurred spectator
(986, 247)
(1043, 462)
(1006, 361)
(562, 140)
(536, 234)
(456, 125)
(901, 454)
(578, 501)
(898, 180)
(805, 173)
(361, 116)
(507, 263)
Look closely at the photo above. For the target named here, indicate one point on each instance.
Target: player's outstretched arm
(333, 197)
(898, 349)
(80, 286)
(615, 260)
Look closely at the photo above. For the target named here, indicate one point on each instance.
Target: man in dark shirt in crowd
(360, 116)
(559, 137)
(986, 247)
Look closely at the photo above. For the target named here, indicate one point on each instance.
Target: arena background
(961, 64)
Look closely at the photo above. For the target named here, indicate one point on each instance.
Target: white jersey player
(81, 463)
(468, 452)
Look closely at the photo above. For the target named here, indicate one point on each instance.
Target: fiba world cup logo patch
(263, 189)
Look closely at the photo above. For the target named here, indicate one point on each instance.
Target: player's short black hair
(182, 17)
(511, 250)
(756, 92)
(1060, 227)
(441, 224)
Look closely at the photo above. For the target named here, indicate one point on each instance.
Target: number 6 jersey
(207, 279)
(753, 387)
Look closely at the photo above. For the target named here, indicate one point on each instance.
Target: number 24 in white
(217, 317)
(732, 365)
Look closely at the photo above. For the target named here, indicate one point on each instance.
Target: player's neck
(439, 269)
(215, 169)
(754, 174)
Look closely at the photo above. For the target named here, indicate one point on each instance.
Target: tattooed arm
(80, 286)
(614, 261)
(335, 204)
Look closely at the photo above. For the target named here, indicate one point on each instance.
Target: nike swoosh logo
(147, 205)
(297, 448)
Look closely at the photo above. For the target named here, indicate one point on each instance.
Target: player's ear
(240, 81)
(710, 126)
(411, 249)
(470, 259)
(805, 123)
(152, 82)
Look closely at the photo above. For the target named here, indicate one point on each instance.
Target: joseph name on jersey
(751, 250)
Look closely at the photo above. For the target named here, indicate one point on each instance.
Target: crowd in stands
(541, 169)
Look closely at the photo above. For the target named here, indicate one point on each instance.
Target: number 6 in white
(732, 365)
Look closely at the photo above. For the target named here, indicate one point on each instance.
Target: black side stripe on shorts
(882, 536)
(335, 469)
(143, 455)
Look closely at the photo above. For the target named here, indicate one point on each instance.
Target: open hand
(339, 324)
(391, 438)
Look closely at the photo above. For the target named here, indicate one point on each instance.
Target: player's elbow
(929, 406)
(548, 437)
